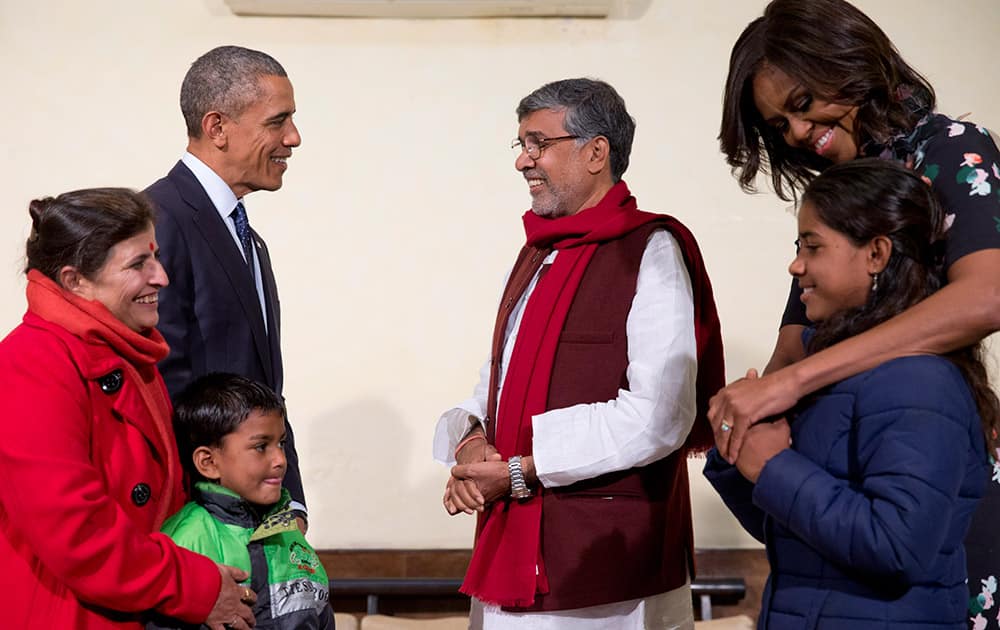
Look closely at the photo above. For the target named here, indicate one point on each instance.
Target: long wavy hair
(869, 197)
(838, 54)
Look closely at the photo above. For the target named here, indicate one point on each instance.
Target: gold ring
(246, 593)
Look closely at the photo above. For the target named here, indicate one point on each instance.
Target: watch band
(518, 489)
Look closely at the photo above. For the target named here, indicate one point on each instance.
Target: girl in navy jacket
(863, 493)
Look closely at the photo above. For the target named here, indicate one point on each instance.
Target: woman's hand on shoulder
(736, 407)
(233, 609)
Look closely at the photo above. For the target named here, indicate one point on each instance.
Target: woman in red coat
(88, 463)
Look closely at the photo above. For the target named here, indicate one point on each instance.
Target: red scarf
(506, 566)
(94, 324)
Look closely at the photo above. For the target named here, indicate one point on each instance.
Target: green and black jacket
(290, 582)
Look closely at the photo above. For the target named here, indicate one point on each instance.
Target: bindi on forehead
(151, 246)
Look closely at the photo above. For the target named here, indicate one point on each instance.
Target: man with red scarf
(605, 350)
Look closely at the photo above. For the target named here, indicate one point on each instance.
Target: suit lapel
(220, 242)
(273, 309)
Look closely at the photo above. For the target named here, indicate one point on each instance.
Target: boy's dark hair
(214, 406)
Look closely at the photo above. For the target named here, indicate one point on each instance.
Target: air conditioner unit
(424, 8)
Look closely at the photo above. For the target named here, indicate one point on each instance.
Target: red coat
(86, 477)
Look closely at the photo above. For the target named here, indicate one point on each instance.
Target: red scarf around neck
(94, 324)
(507, 567)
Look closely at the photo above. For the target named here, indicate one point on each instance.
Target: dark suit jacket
(210, 313)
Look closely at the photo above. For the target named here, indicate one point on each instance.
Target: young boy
(231, 436)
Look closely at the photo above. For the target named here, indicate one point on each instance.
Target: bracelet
(466, 441)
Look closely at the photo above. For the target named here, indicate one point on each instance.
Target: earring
(874, 282)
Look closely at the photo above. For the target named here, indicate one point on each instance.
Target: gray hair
(225, 79)
(593, 108)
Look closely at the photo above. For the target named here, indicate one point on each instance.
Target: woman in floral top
(817, 83)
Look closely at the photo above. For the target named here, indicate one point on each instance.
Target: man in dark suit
(220, 312)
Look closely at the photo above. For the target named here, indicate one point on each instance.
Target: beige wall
(399, 214)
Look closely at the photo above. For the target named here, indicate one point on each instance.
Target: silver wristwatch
(518, 489)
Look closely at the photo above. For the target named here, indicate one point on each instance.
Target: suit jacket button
(141, 494)
(111, 382)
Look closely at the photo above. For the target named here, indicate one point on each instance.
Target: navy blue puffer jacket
(864, 517)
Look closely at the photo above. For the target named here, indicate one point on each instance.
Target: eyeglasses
(533, 145)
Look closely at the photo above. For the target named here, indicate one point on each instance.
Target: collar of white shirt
(217, 190)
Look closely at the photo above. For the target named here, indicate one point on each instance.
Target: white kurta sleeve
(454, 423)
(653, 417)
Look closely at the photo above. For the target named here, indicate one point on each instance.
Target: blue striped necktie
(239, 215)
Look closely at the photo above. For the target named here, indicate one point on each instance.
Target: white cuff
(452, 426)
